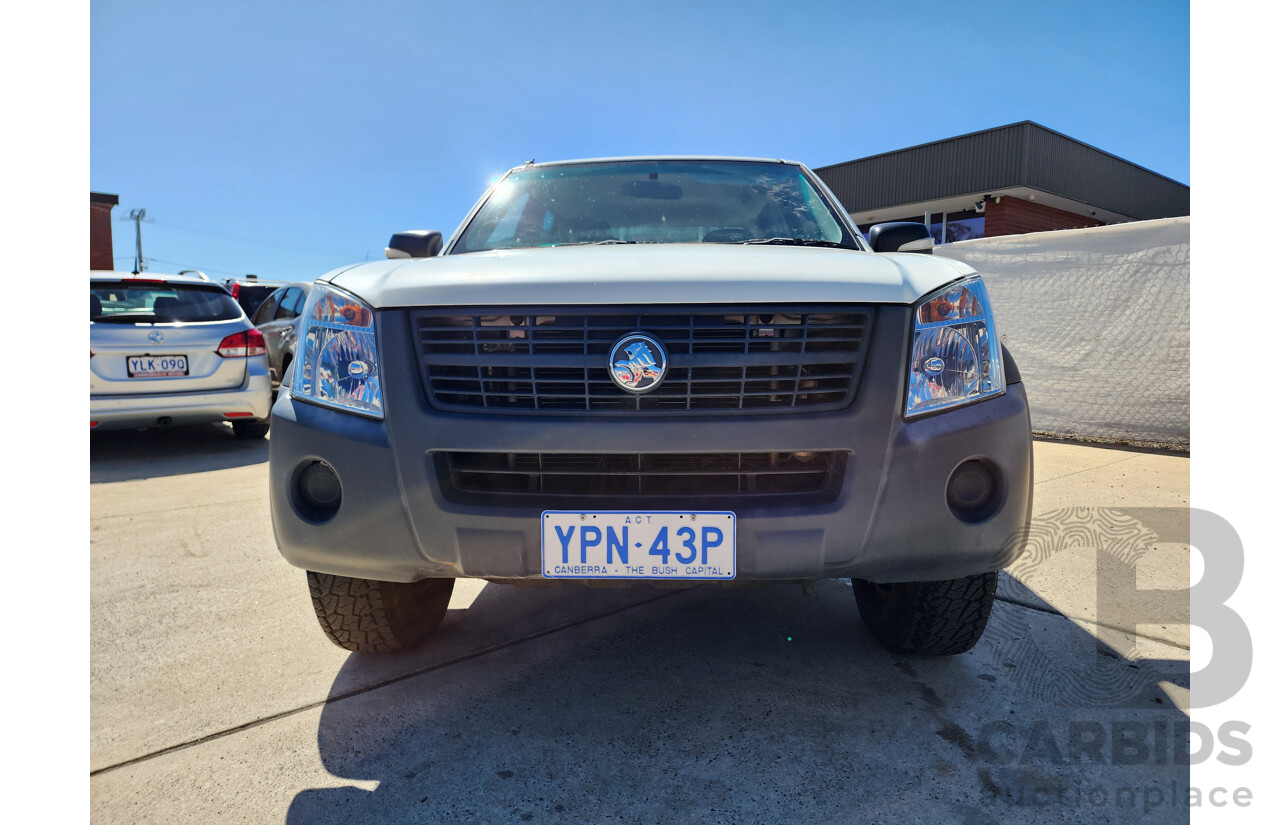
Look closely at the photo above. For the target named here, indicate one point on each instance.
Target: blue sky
(289, 138)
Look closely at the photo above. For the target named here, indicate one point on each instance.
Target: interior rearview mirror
(652, 189)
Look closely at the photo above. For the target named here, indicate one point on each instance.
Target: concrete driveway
(216, 698)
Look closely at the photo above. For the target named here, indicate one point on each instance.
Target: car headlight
(338, 358)
(955, 355)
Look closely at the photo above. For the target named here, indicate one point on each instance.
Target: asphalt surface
(216, 698)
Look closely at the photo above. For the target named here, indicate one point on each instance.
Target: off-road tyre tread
(366, 616)
(941, 618)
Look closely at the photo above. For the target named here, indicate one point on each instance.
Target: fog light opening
(318, 491)
(974, 491)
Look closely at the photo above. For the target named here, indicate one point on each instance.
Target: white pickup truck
(675, 370)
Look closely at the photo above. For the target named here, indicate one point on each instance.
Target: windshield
(681, 201)
(126, 302)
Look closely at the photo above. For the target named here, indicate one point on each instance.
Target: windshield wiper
(800, 242)
(594, 243)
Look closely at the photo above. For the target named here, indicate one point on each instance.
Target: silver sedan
(173, 349)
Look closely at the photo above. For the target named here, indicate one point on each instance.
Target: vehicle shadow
(717, 705)
(126, 455)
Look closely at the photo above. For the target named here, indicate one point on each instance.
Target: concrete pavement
(215, 697)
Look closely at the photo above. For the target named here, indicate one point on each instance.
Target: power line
(204, 269)
(194, 266)
(347, 256)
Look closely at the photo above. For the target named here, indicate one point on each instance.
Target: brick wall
(100, 251)
(1014, 216)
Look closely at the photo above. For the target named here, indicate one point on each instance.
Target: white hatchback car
(173, 349)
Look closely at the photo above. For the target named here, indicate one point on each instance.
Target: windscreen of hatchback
(677, 201)
(126, 302)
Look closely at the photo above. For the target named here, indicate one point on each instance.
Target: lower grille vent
(593, 476)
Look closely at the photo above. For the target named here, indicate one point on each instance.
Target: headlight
(955, 355)
(338, 362)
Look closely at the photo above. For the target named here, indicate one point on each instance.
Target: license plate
(157, 366)
(618, 544)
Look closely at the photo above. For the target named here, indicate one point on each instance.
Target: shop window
(966, 228)
(957, 226)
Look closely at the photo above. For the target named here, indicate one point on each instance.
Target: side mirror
(901, 236)
(416, 243)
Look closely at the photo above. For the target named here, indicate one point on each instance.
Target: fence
(1099, 323)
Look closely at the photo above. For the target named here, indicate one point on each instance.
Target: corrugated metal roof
(1021, 154)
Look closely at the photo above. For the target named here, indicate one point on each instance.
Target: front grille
(599, 476)
(554, 361)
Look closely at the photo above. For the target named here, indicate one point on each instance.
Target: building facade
(1003, 181)
(101, 255)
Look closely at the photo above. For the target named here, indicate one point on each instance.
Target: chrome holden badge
(638, 363)
(155, 337)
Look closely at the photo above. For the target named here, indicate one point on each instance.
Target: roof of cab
(640, 158)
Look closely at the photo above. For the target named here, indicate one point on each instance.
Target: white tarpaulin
(1099, 324)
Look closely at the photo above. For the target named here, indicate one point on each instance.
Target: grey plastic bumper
(890, 521)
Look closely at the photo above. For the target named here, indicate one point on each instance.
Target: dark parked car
(277, 319)
(251, 292)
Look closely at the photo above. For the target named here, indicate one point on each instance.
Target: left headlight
(338, 353)
(955, 355)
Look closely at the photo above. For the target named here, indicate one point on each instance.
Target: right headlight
(955, 355)
(337, 360)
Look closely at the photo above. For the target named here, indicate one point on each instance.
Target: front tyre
(367, 616)
(927, 618)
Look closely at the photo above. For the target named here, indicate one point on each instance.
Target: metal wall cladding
(1066, 167)
(1023, 154)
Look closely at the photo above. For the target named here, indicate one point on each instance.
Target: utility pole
(137, 215)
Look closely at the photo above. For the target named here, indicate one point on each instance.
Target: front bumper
(253, 397)
(889, 522)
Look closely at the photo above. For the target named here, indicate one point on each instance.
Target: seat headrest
(166, 306)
